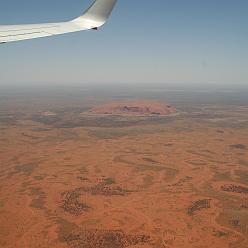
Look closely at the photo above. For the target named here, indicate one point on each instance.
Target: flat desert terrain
(73, 179)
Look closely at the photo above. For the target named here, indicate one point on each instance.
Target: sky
(158, 41)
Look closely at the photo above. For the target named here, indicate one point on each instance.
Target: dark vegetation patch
(234, 223)
(26, 185)
(113, 122)
(208, 151)
(41, 129)
(8, 119)
(110, 133)
(145, 167)
(182, 181)
(83, 178)
(147, 181)
(220, 131)
(47, 120)
(203, 154)
(38, 198)
(71, 202)
(26, 169)
(106, 188)
(30, 136)
(122, 159)
(114, 133)
(243, 176)
(220, 176)
(105, 239)
(170, 174)
(150, 160)
(220, 234)
(233, 217)
(72, 110)
(73, 118)
(71, 199)
(196, 162)
(244, 207)
(87, 122)
(142, 167)
(40, 177)
(235, 189)
(109, 181)
(65, 228)
(62, 136)
(199, 205)
(169, 144)
(184, 129)
(238, 146)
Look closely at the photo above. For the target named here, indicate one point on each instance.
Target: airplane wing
(93, 18)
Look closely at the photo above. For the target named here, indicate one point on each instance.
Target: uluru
(134, 107)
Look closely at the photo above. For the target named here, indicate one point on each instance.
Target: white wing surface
(93, 18)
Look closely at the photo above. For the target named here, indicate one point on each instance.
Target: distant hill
(138, 107)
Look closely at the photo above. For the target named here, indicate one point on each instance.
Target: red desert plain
(123, 174)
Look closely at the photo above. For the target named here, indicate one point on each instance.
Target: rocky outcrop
(143, 108)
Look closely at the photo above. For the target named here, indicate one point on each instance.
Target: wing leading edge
(93, 18)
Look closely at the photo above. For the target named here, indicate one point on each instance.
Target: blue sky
(156, 41)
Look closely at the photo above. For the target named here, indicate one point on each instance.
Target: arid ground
(72, 179)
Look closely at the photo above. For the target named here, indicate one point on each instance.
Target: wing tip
(97, 14)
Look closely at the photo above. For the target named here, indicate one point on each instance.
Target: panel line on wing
(27, 29)
(14, 35)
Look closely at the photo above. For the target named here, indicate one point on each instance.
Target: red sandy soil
(181, 184)
(141, 107)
